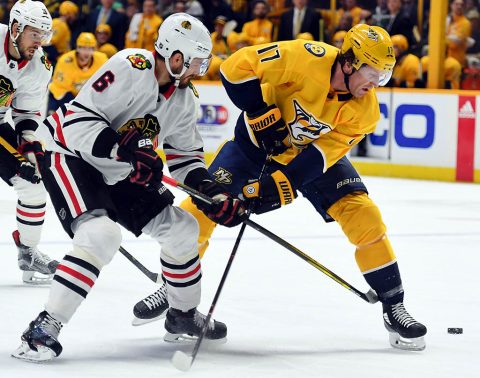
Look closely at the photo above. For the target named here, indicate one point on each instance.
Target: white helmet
(31, 13)
(184, 33)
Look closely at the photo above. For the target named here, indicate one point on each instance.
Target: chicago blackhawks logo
(46, 62)
(139, 61)
(6, 91)
(304, 128)
(148, 126)
(315, 49)
(186, 25)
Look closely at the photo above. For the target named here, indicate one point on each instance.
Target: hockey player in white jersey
(24, 76)
(101, 168)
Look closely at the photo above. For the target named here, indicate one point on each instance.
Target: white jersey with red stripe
(123, 93)
(23, 84)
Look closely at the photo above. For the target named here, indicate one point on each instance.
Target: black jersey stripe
(167, 146)
(78, 105)
(81, 119)
(174, 167)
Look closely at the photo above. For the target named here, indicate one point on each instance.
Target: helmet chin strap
(176, 77)
(14, 41)
(346, 78)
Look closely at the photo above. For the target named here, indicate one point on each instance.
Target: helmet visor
(199, 66)
(378, 77)
(38, 36)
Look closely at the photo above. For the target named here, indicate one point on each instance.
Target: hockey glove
(269, 193)
(269, 130)
(28, 172)
(225, 209)
(33, 151)
(147, 166)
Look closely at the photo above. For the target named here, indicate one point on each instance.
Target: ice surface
(285, 318)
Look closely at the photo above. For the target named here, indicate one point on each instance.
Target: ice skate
(153, 307)
(404, 331)
(187, 327)
(37, 267)
(40, 340)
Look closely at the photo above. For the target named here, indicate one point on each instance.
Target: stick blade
(182, 361)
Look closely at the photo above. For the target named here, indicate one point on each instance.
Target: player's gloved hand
(33, 151)
(269, 130)
(225, 209)
(269, 193)
(137, 149)
(28, 172)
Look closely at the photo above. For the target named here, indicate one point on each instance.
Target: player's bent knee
(99, 237)
(359, 218)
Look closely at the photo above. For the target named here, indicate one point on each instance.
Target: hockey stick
(370, 296)
(155, 277)
(181, 360)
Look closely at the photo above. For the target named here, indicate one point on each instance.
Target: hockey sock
(30, 222)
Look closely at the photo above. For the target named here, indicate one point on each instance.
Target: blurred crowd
(112, 25)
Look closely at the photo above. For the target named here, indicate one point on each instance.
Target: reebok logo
(466, 111)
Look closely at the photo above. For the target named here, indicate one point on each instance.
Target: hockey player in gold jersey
(73, 69)
(307, 104)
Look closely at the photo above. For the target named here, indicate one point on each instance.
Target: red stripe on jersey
(33, 215)
(169, 91)
(58, 129)
(69, 112)
(67, 184)
(174, 156)
(182, 275)
(76, 274)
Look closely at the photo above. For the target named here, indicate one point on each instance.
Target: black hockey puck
(455, 331)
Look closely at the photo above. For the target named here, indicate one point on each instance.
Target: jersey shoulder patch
(194, 90)
(315, 49)
(6, 91)
(46, 62)
(139, 61)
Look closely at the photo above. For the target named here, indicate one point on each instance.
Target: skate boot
(187, 327)
(405, 332)
(40, 340)
(153, 307)
(37, 267)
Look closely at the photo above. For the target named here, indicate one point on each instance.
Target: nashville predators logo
(222, 176)
(186, 25)
(6, 91)
(139, 61)
(372, 34)
(304, 129)
(148, 126)
(315, 49)
(46, 62)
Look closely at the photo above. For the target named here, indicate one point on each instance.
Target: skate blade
(42, 354)
(182, 361)
(31, 277)
(182, 338)
(138, 322)
(414, 344)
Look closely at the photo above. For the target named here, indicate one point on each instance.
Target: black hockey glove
(269, 193)
(28, 172)
(270, 130)
(147, 166)
(225, 209)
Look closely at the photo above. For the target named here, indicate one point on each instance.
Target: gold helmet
(68, 7)
(400, 41)
(86, 40)
(371, 46)
(306, 35)
(104, 28)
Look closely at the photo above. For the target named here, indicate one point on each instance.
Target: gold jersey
(69, 77)
(61, 36)
(407, 70)
(295, 75)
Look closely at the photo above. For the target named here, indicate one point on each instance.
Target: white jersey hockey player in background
(24, 76)
(101, 168)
